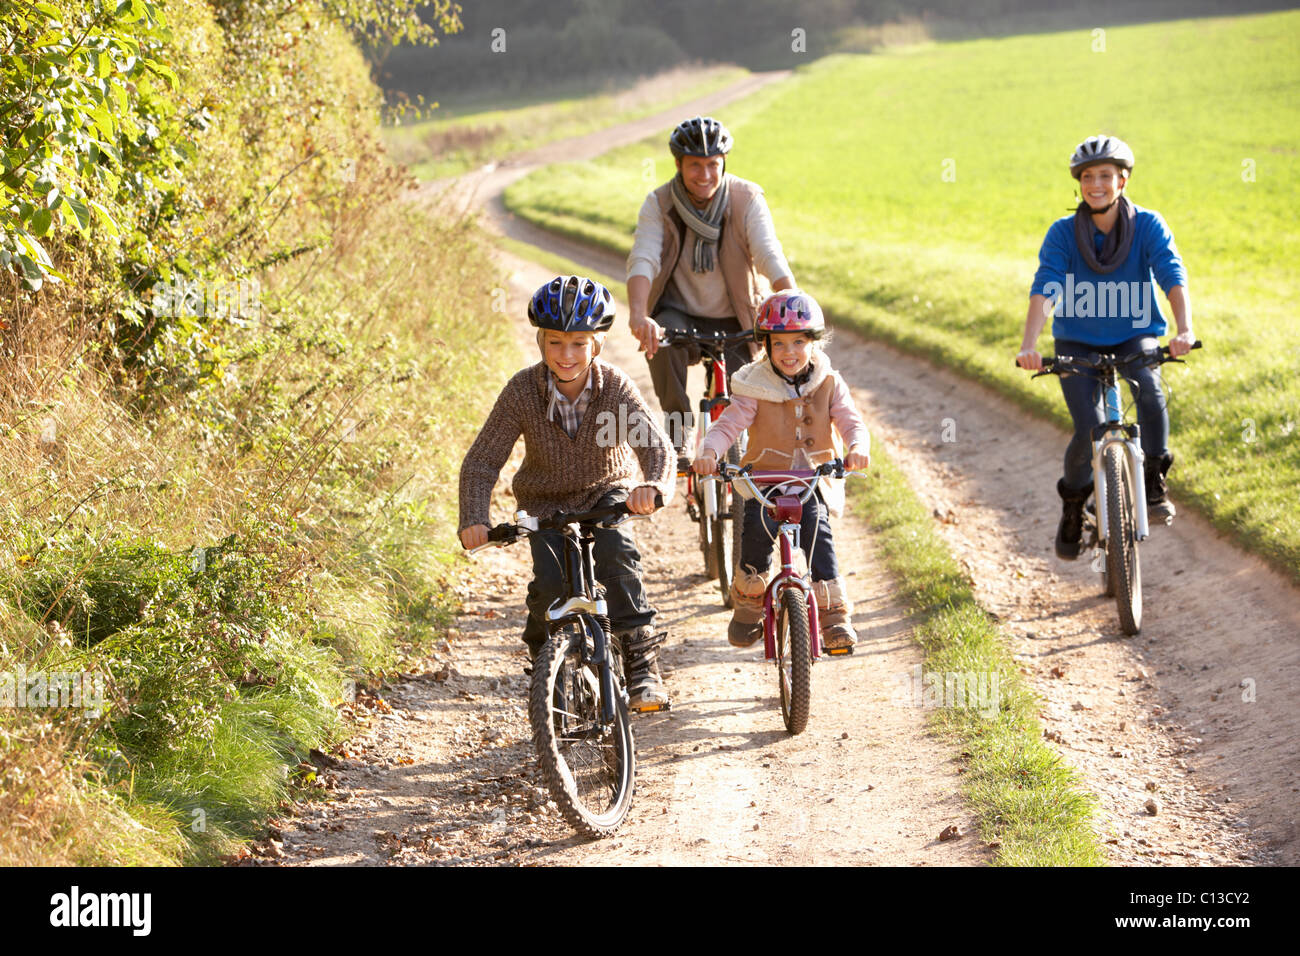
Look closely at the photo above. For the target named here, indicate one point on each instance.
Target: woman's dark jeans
(1084, 399)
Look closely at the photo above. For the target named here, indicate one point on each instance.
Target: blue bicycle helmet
(572, 304)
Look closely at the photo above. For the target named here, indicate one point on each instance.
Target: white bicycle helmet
(1101, 149)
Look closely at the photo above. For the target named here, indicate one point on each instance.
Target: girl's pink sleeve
(723, 433)
(848, 422)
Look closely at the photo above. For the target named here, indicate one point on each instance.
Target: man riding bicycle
(1096, 269)
(701, 240)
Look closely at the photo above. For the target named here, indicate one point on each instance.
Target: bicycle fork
(581, 606)
(788, 578)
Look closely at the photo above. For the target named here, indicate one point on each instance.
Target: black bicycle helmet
(1100, 149)
(572, 304)
(702, 136)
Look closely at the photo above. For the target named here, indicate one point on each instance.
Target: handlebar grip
(659, 501)
(503, 532)
(1196, 344)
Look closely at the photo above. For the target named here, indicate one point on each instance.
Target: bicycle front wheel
(707, 523)
(1123, 572)
(587, 762)
(726, 530)
(794, 659)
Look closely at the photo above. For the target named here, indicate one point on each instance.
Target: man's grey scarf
(706, 223)
(1115, 249)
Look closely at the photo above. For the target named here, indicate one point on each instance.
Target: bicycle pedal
(837, 651)
(652, 708)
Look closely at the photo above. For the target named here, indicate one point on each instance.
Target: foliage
(227, 512)
(86, 103)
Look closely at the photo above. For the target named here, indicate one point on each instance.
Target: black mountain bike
(577, 702)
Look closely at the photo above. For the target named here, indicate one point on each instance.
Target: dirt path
(448, 776)
(1193, 714)
(1196, 711)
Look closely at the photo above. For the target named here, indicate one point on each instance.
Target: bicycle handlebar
(808, 478)
(525, 524)
(1056, 364)
(678, 336)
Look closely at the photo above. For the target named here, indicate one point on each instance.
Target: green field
(450, 144)
(912, 189)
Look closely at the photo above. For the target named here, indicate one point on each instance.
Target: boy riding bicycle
(575, 462)
(789, 400)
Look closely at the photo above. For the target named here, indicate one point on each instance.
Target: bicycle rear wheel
(588, 763)
(726, 530)
(1123, 572)
(794, 659)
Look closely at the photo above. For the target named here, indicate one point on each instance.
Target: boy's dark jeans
(618, 568)
(758, 539)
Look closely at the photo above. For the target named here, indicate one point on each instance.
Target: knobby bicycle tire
(589, 766)
(794, 659)
(1123, 571)
(706, 531)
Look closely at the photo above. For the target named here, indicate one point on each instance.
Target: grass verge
(1025, 797)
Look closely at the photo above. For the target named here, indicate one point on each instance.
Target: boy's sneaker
(645, 688)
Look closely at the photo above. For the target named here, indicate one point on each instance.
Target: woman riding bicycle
(559, 405)
(1096, 269)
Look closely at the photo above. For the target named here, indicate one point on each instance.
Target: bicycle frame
(712, 405)
(585, 605)
(788, 510)
(585, 601)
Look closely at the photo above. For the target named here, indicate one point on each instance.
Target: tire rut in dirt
(588, 768)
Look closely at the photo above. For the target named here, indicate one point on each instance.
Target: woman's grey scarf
(1119, 240)
(706, 223)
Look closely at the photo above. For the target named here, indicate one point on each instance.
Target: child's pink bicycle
(791, 631)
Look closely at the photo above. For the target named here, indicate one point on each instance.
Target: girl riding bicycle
(573, 462)
(789, 399)
(1097, 267)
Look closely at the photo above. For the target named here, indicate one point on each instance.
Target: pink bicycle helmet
(789, 311)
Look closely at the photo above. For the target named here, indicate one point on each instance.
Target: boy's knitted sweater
(560, 473)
